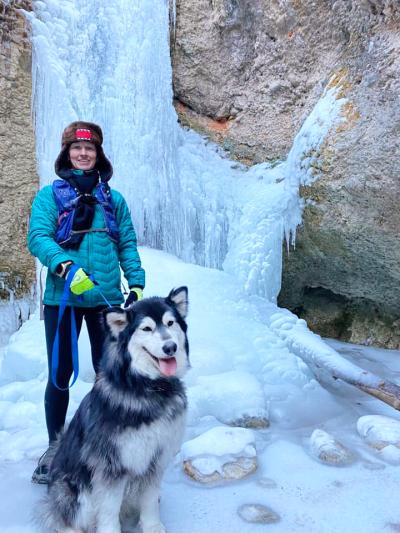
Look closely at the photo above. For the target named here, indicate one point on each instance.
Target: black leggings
(55, 400)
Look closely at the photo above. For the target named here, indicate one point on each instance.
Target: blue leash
(74, 335)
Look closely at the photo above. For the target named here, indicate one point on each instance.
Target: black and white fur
(129, 426)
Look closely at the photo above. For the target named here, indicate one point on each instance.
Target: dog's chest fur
(150, 446)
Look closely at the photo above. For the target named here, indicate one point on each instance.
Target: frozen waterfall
(109, 62)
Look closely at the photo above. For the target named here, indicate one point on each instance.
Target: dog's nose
(169, 348)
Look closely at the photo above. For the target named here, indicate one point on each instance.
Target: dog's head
(151, 335)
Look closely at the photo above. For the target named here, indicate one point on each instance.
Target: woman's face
(83, 155)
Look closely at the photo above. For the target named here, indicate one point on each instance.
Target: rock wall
(247, 73)
(18, 177)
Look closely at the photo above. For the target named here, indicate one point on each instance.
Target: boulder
(18, 178)
(256, 513)
(328, 450)
(220, 455)
(247, 74)
(229, 471)
(379, 431)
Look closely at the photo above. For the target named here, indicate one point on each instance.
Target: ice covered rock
(209, 471)
(258, 514)
(267, 483)
(235, 398)
(328, 450)
(379, 431)
(251, 422)
(219, 455)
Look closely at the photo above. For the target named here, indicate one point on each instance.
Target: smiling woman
(83, 155)
(81, 230)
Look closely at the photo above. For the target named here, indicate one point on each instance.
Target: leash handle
(55, 355)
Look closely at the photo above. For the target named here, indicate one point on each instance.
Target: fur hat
(83, 131)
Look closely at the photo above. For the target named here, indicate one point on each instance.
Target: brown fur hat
(83, 131)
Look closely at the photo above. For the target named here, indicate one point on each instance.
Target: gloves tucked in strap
(81, 281)
(135, 294)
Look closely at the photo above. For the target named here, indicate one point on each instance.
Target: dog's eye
(147, 328)
(170, 323)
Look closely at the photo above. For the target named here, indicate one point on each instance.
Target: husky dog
(129, 426)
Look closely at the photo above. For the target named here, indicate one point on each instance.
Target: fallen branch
(372, 384)
(326, 364)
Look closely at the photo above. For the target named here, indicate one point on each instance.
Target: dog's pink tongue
(168, 366)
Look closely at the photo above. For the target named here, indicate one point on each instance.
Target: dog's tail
(57, 510)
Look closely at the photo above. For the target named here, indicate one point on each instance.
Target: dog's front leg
(109, 500)
(150, 511)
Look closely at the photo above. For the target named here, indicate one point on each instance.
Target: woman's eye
(170, 323)
(147, 328)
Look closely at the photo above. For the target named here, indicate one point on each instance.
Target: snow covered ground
(242, 366)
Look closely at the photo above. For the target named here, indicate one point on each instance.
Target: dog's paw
(154, 528)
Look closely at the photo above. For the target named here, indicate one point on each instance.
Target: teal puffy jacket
(97, 254)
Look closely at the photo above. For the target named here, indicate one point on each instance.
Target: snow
(220, 441)
(391, 454)
(104, 61)
(229, 344)
(229, 396)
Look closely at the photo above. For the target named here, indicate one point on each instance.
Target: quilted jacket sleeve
(128, 253)
(42, 227)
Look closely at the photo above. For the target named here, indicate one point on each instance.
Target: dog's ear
(116, 319)
(179, 297)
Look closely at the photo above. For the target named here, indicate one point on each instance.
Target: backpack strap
(66, 199)
(103, 196)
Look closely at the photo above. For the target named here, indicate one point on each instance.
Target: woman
(79, 226)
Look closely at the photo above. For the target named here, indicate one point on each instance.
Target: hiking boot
(41, 472)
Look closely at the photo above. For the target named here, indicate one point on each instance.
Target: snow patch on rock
(326, 449)
(257, 514)
(220, 454)
(379, 431)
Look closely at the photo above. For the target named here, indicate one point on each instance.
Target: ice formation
(186, 197)
(12, 315)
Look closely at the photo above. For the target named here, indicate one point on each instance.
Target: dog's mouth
(167, 367)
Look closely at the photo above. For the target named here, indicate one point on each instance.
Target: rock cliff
(247, 73)
(18, 178)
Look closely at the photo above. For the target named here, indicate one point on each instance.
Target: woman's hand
(135, 294)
